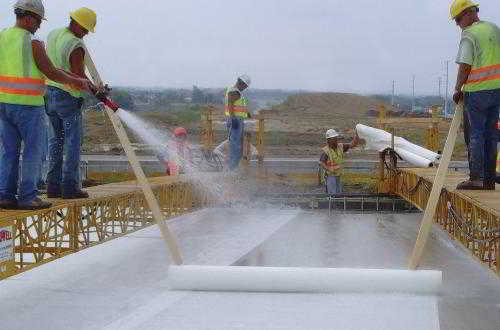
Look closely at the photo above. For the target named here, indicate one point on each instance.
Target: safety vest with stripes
(240, 107)
(60, 44)
(21, 82)
(485, 73)
(334, 164)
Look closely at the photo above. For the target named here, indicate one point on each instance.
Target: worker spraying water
(67, 51)
(24, 67)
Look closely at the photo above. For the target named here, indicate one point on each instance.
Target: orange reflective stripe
(15, 80)
(486, 68)
(484, 74)
(497, 76)
(21, 91)
(237, 109)
(332, 165)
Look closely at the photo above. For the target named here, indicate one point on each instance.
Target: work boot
(489, 185)
(471, 185)
(53, 191)
(35, 204)
(8, 204)
(74, 194)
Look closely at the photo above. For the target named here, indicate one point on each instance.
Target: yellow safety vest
(21, 82)
(60, 44)
(335, 160)
(240, 107)
(485, 73)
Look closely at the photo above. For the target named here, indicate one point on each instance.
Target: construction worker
(478, 85)
(24, 66)
(332, 160)
(177, 152)
(63, 105)
(236, 111)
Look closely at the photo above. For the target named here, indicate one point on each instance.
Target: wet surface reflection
(470, 298)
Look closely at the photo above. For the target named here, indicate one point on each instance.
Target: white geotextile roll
(378, 140)
(416, 149)
(288, 279)
(412, 158)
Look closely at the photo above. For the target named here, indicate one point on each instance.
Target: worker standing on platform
(478, 85)
(24, 64)
(236, 111)
(332, 160)
(66, 49)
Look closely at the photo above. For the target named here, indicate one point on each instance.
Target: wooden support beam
(437, 186)
(168, 238)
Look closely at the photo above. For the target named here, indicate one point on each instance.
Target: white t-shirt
(465, 52)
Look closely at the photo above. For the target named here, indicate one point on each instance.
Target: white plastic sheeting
(295, 279)
(378, 140)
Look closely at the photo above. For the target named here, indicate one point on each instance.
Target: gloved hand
(235, 123)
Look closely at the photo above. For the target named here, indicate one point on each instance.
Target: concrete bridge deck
(123, 284)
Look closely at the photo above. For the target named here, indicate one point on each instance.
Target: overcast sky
(325, 45)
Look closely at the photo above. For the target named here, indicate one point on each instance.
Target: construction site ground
(296, 129)
(123, 284)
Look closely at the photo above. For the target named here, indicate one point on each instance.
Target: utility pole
(413, 99)
(392, 99)
(439, 88)
(446, 97)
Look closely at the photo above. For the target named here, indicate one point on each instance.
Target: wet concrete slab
(123, 284)
(470, 298)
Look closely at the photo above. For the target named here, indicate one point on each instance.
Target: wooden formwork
(470, 217)
(112, 211)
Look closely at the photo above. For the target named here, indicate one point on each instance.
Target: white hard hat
(246, 79)
(331, 133)
(33, 6)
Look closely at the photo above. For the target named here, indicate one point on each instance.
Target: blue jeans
(333, 185)
(482, 111)
(235, 126)
(65, 130)
(42, 173)
(20, 123)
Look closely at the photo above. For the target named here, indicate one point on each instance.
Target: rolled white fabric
(412, 158)
(378, 140)
(416, 149)
(288, 279)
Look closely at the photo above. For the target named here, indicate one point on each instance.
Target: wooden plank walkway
(471, 217)
(487, 199)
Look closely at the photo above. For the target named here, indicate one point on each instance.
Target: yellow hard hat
(459, 6)
(85, 17)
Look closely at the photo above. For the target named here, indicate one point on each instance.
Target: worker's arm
(322, 160)
(77, 63)
(47, 68)
(462, 76)
(232, 97)
(355, 142)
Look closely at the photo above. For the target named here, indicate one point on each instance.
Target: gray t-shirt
(465, 52)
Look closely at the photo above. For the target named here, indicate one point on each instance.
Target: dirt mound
(316, 112)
